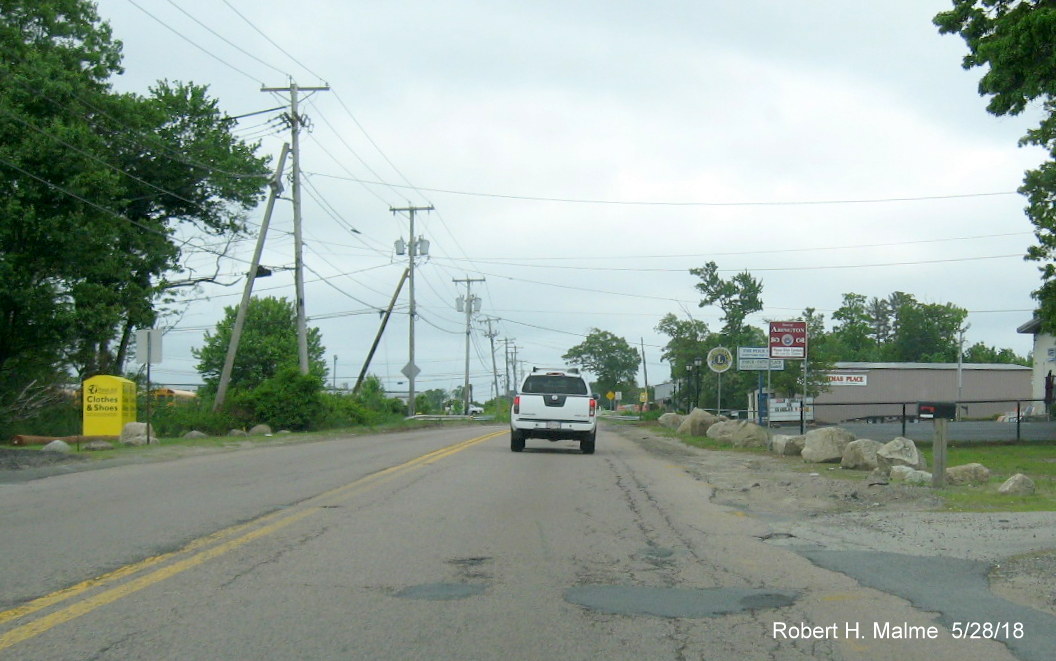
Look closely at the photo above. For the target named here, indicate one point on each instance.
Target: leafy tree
(268, 344)
(852, 335)
(1015, 42)
(926, 332)
(100, 193)
(610, 358)
(981, 353)
(737, 297)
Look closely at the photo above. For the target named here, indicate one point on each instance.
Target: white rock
(967, 474)
(57, 446)
(1017, 485)
(194, 433)
(900, 452)
(910, 475)
(670, 420)
(137, 433)
(787, 446)
(825, 445)
(861, 454)
(260, 430)
(741, 433)
(697, 423)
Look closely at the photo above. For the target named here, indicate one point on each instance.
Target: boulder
(967, 474)
(900, 452)
(260, 430)
(137, 433)
(57, 446)
(861, 454)
(740, 433)
(697, 423)
(97, 446)
(825, 445)
(670, 420)
(194, 433)
(1017, 485)
(237, 432)
(910, 475)
(787, 446)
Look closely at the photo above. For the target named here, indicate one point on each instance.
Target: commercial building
(874, 391)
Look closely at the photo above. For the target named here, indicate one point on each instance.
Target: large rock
(137, 433)
(195, 434)
(260, 430)
(1017, 485)
(967, 474)
(670, 420)
(741, 433)
(57, 446)
(825, 445)
(237, 432)
(900, 452)
(787, 446)
(910, 475)
(97, 446)
(697, 423)
(861, 454)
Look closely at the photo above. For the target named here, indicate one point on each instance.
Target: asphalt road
(436, 545)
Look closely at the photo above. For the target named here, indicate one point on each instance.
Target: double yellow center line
(196, 552)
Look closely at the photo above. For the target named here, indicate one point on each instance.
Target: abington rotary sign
(788, 339)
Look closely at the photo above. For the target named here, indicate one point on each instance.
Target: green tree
(981, 353)
(611, 359)
(737, 297)
(1015, 42)
(926, 332)
(852, 335)
(100, 193)
(268, 344)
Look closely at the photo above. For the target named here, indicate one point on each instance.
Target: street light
(698, 362)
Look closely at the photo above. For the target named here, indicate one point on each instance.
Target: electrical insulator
(401, 247)
(423, 246)
(460, 303)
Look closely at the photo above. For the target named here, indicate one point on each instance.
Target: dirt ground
(822, 504)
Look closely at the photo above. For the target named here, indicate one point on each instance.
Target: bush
(288, 400)
(173, 419)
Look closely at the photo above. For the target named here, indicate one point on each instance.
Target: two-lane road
(436, 544)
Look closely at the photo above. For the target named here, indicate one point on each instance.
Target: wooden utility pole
(295, 121)
(410, 370)
(491, 335)
(377, 339)
(470, 302)
(247, 291)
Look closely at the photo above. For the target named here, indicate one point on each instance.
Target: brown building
(877, 390)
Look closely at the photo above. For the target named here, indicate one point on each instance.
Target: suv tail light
(517, 404)
(593, 407)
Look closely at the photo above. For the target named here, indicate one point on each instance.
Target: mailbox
(937, 410)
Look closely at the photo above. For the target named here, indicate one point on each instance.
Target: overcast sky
(582, 156)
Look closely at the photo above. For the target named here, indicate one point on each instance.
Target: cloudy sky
(583, 155)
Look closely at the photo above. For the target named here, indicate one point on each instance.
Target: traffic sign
(410, 370)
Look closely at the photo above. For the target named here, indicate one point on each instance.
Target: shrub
(288, 400)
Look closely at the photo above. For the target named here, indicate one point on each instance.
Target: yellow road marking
(47, 622)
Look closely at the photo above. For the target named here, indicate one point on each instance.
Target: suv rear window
(549, 384)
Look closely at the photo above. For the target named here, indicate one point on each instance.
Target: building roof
(1031, 327)
(996, 367)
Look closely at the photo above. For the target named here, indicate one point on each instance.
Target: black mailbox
(937, 410)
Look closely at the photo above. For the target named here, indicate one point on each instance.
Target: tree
(268, 344)
(926, 332)
(1015, 42)
(100, 193)
(737, 297)
(853, 335)
(611, 359)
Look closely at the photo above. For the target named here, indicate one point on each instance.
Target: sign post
(148, 351)
(788, 339)
(719, 360)
(941, 413)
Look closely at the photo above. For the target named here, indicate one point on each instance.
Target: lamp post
(697, 362)
(689, 388)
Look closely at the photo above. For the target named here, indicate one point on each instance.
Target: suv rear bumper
(553, 429)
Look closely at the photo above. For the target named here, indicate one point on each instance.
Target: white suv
(554, 404)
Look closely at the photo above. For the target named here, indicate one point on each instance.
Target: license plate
(553, 425)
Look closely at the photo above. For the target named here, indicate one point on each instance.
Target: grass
(1036, 460)
(158, 450)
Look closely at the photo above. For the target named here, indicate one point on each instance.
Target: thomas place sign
(788, 339)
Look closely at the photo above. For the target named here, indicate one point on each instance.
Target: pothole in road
(442, 591)
(676, 602)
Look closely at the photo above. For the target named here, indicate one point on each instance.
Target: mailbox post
(941, 413)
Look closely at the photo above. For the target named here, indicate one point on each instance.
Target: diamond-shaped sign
(410, 370)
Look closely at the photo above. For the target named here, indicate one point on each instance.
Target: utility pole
(411, 370)
(506, 341)
(471, 304)
(645, 371)
(247, 291)
(491, 335)
(296, 120)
